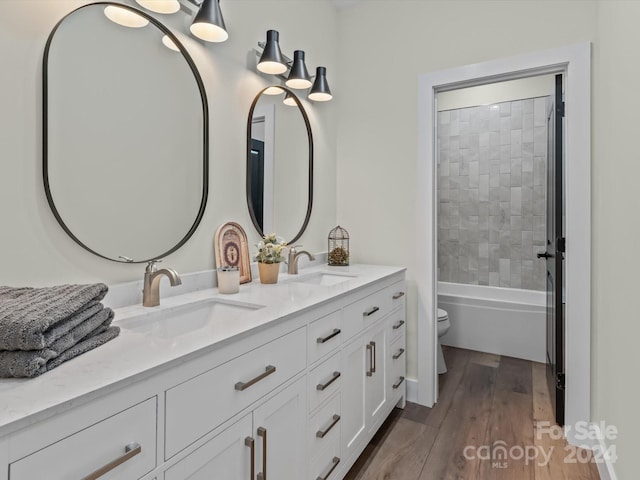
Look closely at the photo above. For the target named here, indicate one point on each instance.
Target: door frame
(574, 62)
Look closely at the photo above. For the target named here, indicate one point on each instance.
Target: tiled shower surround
(492, 194)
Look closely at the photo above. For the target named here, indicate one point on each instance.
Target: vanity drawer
(326, 464)
(398, 368)
(200, 404)
(324, 427)
(124, 444)
(398, 294)
(325, 334)
(362, 313)
(396, 324)
(324, 380)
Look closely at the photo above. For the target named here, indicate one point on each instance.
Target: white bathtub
(504, 321)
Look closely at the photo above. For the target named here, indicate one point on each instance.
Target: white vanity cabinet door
(280, 428)
(98, 446)
(355, 365)
(376, 392)
(227, 456)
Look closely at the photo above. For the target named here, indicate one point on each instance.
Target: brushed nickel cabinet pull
(371, 311)
(399, 354)
(240, 386)
(130, 451)
(249, 442)
(336, 331)
(335, 463)
(322, 386)
(262, 432)
(335, 419)
(398, 325)
(369, 350)
(398, 383)
(373, 357)
(398, 295)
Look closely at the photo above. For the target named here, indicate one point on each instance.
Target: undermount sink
(324, 278)
(187, 318)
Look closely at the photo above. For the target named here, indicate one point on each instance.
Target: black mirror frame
(205, 130)
(310, 180)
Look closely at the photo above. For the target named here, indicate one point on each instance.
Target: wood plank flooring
(486, 402)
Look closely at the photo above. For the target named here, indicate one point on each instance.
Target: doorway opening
(574, 63)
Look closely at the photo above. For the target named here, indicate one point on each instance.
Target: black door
(554, 254)
(257, 180)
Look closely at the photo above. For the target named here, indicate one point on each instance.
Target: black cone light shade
(271, 60)
(208, 24)
(320, 92)
(298, 76)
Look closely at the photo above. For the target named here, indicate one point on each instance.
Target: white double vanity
(278, 382)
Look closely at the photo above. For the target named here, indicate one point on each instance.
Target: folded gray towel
(34, 318)
(32, 365)
(90, 334)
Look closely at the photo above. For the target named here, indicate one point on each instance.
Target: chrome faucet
(294, 255)
(152, 276)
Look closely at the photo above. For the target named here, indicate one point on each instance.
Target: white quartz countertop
(143, 345)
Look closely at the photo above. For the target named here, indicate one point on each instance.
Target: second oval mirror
(279, 164)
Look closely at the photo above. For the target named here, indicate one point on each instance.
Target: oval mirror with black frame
(279, 164)
(125, 147)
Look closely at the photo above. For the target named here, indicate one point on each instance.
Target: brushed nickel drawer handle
(336, 331)
(131, 450)
(335, 462)
(399, 354)
(398, 383)
(398, 325)
(262, 432)
(335, 419)
(370, 312)
(373, 356)
(369, 350)
(240, 386)
(249, 442)
(398, 295)
(322, 386)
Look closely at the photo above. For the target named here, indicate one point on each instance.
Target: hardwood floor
(486, 402)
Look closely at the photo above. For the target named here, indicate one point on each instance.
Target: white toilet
(443, 327)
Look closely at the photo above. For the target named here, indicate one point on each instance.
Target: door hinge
(560, 380)
(562, 244)
(561, 108)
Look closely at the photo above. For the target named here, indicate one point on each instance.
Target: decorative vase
(268, 272)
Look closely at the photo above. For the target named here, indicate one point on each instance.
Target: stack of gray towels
(40, 328)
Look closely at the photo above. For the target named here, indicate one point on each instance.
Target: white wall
(378, 152)
(35, 250)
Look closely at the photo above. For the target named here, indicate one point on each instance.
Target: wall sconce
(294, 71)
(207, 24)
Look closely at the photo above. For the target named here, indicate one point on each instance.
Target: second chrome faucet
(292, 261)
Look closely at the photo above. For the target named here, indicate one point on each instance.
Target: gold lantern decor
(338, 247)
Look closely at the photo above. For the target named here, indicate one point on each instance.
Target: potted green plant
(269, 257)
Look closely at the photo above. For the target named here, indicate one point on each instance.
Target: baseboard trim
(412, 390)
(605, 464)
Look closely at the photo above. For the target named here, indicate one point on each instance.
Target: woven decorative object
(338, 251)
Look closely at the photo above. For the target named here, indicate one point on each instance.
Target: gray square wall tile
(492, 194)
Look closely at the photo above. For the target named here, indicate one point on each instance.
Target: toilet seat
(442, 315)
